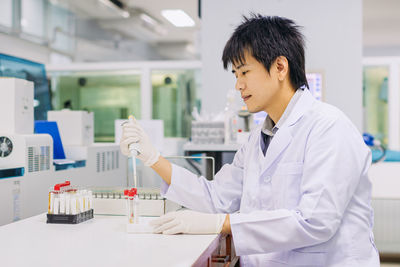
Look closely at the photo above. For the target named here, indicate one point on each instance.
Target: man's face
(257, 87)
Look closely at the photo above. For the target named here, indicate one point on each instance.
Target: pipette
(133, 148)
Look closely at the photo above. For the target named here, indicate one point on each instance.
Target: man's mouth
(245, 98)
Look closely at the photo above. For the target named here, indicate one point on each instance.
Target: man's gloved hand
(188, 222)
(132, 132)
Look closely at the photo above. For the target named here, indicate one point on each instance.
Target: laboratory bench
(103, 241)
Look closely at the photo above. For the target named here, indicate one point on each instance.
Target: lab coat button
(267, 178)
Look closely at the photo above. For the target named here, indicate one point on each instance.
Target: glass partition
(6, 13)
(375, 101)
(60, 28)
(162, 90)
(110, 95)
(32, 14)
(174, 96)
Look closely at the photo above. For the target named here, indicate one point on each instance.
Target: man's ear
(282, 67)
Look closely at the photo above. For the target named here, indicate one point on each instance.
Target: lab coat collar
(283, 136)
(303, 104)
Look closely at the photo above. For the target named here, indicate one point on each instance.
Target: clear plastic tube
(56, 206)
(135, 209)
(51, 202)
(68, 202)
(61, 197)
(132, 201)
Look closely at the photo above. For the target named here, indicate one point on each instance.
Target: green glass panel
(110, 96)
(376, 101)
(174, 96)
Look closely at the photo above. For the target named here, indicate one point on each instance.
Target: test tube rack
(70, 219)
(69, 204)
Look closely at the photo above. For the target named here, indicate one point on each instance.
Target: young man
(297, 193)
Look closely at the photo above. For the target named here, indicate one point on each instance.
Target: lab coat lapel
(278, 144)
(283, 136)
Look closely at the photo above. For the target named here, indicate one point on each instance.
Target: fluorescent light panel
(178, 17)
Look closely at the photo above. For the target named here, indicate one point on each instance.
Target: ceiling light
(178, 17)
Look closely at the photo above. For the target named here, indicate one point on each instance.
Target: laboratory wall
(24, 49)
(333, 31)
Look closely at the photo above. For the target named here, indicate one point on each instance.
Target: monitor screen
(314, 80)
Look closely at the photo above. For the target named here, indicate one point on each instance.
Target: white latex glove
(188, 222)
(132, 132)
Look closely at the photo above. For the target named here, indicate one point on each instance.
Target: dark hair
(267, 38)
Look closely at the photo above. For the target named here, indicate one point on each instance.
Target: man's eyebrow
(238, 67)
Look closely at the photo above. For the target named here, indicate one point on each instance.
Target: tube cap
(133, 192)
(57, 187)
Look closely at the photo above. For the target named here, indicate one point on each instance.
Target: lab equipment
(132, 205)
(242, 137)
(27, 159)
(245, 115)
(378, 151)
(69, 204)
(208, 132)
(16, 109)
(21, 151)
(76, 126)
(51, 128)
(133, 225)
(314, 80)
(230, 118)
(31, 71)
(23, 154)
(61, 162)
(113, 201)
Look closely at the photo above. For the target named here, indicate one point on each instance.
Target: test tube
(74, 203)
(61, 197)
(133, 202)
(81, 201)
(126, 196)
(131, 214)
(51, 202)
(56, 206)
(85, 199)
(90, 199)
(68, 202)
(135, 208)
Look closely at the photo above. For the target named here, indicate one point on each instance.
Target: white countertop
(101, 241)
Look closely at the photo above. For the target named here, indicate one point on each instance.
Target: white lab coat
(306, 203)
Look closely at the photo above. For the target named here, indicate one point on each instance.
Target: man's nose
(239, 85)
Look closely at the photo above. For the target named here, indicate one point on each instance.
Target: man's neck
(279, 106)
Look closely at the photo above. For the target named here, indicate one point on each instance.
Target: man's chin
(253, 110)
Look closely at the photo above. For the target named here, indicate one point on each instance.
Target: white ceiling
(381, 21)
(174, 34)
(133, 26)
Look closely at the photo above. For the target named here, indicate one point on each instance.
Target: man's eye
(244, 72)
